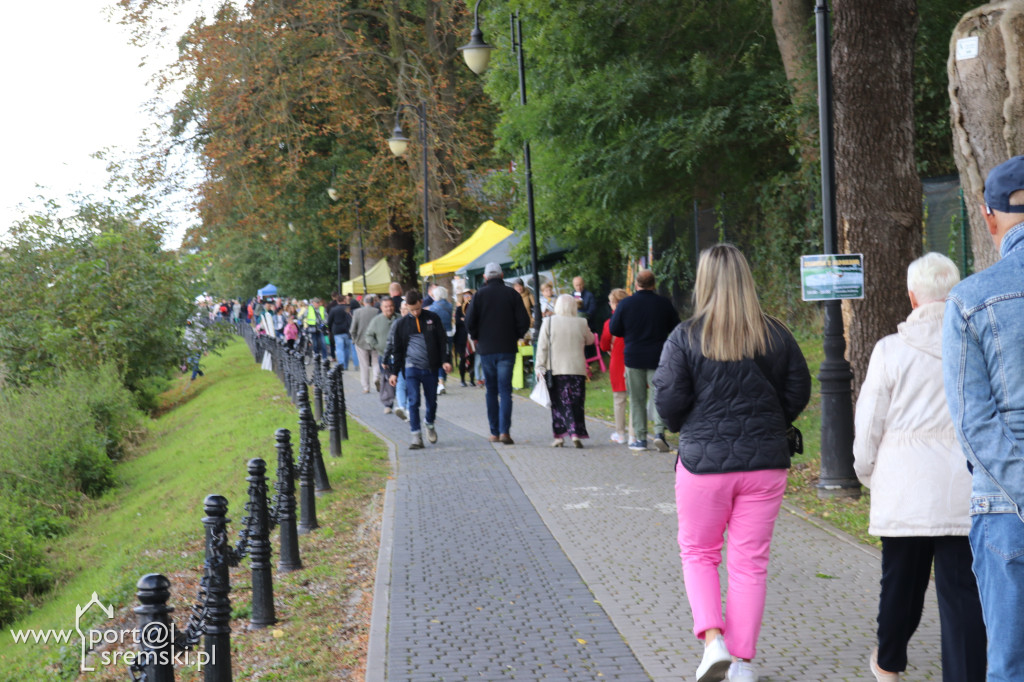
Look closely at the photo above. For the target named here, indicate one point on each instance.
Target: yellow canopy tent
(486, 236)
(377, 280)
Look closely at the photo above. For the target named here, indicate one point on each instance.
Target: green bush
(57, 453)
(23, 570)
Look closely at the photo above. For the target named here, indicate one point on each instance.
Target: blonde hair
(565, 305)
(617, 295)
(725, 301)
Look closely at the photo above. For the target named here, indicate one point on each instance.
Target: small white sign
(967, 48)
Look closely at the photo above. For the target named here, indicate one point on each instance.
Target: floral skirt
(567, 398)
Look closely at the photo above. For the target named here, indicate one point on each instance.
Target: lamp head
(398, 141)
(477, 53)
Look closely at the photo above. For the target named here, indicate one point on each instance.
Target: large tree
(878, 196)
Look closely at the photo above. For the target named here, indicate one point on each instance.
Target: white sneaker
(440, 389)
(715, 664)
(742, 671)
(617, 437)
(400, 413)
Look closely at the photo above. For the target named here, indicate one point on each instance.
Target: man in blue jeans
(983, 372)
(496, 320)
(418, 350)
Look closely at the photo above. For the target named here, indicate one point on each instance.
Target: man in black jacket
(496, 320)
(418, 350)
(643, 320)
(339, 321)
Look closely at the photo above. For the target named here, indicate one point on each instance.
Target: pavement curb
(377, 650)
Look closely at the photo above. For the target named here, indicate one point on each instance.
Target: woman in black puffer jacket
(730, 381)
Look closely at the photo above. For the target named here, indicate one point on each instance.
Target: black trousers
(906, 570)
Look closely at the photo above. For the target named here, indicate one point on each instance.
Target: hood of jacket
(922, 330)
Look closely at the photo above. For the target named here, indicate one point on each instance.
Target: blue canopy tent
(269, 290)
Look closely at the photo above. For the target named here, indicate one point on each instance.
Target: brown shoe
(506, 439)
(493, 439)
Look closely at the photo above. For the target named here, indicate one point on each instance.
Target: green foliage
(626, 132)
(92, 285)
(931, 97)
(57, 451)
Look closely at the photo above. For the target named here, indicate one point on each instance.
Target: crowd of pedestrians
(939, 423)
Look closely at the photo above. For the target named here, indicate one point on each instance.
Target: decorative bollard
(307, 494)
(331, 420)
(284, 506)
(309, 438)
(217, 638)
(340, 416)
(318, 391)
(155, 660)
(259, 547)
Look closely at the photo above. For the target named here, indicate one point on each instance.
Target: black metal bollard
(333, 419)
(341, 416)
(318, 391)
(155, 630)
(217, 631)
(307, 426)
(285, 507)
(259, 547)
(307, 493)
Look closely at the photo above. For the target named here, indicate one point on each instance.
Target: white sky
(71, 86)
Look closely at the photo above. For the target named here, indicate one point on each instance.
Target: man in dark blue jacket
(496, 320)
(418, 350)
(644, 320)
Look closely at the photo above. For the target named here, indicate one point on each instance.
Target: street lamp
(399, 143)
(477, 54)
(837, 477)
(334, 195)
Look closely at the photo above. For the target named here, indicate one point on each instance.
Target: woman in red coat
(616, 369)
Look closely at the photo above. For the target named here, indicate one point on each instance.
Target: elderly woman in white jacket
(563, 336)
(906, 452)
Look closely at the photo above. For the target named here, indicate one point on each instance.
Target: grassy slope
(151, 522)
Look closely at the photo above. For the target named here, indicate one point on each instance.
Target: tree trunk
(794, 34)
(878, 194)
(986, 107)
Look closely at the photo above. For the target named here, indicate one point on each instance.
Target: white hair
(439, 293)
(565, 305)
(931, 277)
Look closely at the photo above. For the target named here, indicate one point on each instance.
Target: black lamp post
(837, 477)
(399, 143)
(477, 54)
(362, 251)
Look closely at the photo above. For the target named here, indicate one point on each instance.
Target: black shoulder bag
(794, 438)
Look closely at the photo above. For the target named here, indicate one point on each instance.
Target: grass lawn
(150, 523)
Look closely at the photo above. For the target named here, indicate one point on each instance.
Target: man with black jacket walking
(496, 320)
(418, 349)
(644, 321)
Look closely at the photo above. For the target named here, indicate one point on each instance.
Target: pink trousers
(747, 504)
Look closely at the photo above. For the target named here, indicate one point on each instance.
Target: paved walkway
(526, 562)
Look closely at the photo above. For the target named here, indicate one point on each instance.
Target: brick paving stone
(504, 557)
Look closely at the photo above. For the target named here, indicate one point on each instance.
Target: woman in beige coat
(563, 337)
(906, 452)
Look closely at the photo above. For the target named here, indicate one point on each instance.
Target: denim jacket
(983, 372)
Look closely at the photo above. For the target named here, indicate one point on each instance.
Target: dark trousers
(906, 570)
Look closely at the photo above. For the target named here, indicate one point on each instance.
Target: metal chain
(199, 611)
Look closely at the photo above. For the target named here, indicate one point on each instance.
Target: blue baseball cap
(1002, 181)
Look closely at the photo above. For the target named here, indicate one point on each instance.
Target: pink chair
(597, 358)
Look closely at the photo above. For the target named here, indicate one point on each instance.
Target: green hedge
(58, 453)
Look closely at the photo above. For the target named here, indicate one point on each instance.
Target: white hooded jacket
(905, 448)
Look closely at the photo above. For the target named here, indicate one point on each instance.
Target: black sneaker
(660, 444)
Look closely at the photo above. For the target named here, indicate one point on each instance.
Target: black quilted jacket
(728, 414)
